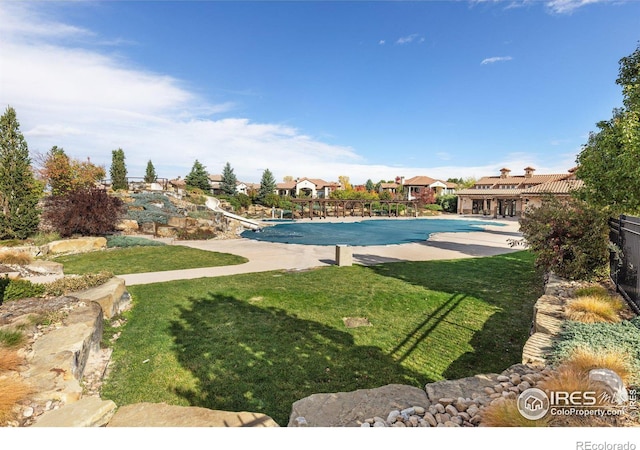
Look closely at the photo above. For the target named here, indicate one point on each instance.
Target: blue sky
(366, 89)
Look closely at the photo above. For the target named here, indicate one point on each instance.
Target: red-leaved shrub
(84, 211)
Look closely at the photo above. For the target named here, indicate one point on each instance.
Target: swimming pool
(363, 233)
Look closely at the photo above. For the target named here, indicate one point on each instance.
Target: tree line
(572, 238)
(608, 164)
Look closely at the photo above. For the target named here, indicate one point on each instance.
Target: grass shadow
(263, 359)
(509, 283)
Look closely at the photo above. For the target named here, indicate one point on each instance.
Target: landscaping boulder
(163, 415)
(79, 245)
(32, 250)
(462, 387)
(112, 296)
(127, 226)
(44, 267)
(87, 412)
(351, 409)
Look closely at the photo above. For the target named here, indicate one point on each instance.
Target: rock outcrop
(85, 244)
(163, 415)
(112, 296)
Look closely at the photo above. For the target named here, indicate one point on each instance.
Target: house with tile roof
(509, 195)
(413, 186)
(307, 187)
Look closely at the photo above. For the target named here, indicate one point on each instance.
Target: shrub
(449, 202)
(244, 200)
(77, 283)
(602, 338)
(232, 200)
(15, 257)
(17, 289)
(147, 208)
(84, 211)
(584, 359)
(570, 378)
(196, 196)
(271, 200)
(590, 309)
(569, 239)
(433, 207)
(11, 339)
(9, 359)
(505, 413)
(13, 391)
(130, 241)
(197, 235)
(592, 291)
(11, 242)
(42, 238)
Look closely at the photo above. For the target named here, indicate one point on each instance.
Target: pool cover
(363, 233)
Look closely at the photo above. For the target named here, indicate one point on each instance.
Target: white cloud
(568, 6)
(553, 6)
(495, 59)
(90, 103)
(381, 42)
(20, 23)
(409, 39)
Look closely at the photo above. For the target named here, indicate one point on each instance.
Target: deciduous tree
(63, 174)
(609, 163)
(19, 189)
(426, 196)
(344, 181)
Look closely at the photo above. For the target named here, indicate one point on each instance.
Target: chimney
(504, 172)
(528, 172)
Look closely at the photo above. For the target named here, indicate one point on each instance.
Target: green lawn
(145, 259)
(259, 342)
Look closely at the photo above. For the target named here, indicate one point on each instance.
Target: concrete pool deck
(266, 256)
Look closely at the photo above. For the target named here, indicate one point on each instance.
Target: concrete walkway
(265, 256)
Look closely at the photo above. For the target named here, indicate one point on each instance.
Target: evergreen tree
(19, 189)
(198, 177)
(118, 170)
(150, 176)
(369, 186)
(267, 186)
(229, 180)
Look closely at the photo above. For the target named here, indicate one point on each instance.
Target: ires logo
(566, 399)
(534, 404)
